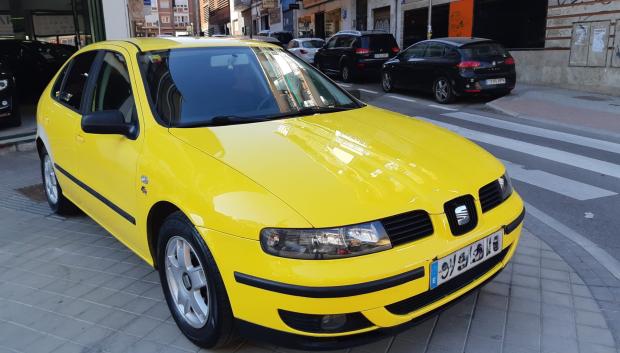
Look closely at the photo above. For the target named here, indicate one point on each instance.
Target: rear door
(62, 118)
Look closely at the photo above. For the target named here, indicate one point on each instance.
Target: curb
(19, 142)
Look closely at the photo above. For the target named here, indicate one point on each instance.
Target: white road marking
(368, 91)
(552, 154)
(345, 85)
(558, 184)
(602, 256)
(537, 131)
(402, 98)
(442, 107)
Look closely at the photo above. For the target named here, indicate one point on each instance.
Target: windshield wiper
(223, 120)
(311, 111)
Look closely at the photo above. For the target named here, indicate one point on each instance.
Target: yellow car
(272, 202)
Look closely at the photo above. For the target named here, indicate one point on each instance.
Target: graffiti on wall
(576, 2)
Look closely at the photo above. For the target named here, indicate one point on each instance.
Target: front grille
(490, 196)
(421, 300)
(407, 227)
(450, 211)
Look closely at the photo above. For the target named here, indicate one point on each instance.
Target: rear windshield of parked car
(312, 44)
(485, 49)
(376, 42)
(205, 86)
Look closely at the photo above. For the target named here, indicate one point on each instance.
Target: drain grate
(33, 192)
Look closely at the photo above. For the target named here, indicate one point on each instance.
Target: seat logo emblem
(462, 215)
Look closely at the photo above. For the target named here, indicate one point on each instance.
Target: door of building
(319, 24)
(361, 15)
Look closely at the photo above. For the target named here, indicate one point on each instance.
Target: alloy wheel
(187, 282)
(345, 73)
(387, 82)
(51, 184)
(442, 88)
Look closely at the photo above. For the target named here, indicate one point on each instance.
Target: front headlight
(505, 186)
(325, 243)
(4, 84)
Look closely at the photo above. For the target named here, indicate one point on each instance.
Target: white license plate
(496, 81)
(465, 259)
(382, 55)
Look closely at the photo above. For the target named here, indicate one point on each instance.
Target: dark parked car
(34, 63)
(351, 53)
(282, 36)
(9, 106)
(451, 67)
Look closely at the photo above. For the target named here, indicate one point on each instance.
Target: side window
(332, 42)
(414, 52)
(434, 50)
(113, 87)
(58, 83)
(77, 76)
(345, 41)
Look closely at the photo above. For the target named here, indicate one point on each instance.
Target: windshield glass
(229, 85)
(312, 43)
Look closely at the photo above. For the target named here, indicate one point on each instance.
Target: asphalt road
(564, 174)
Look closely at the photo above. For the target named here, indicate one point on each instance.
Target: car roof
(148, 44)
(458, 41)
(363, 33)
(307, 39)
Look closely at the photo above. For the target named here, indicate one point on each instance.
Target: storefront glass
(332, 22)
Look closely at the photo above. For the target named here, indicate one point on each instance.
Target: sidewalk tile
(496, 287)
(581, 290)
(556, 298)
(558, 344)
(557, 312)
(165, 334)
(591, 319)
(45, 344)
(559, 328)
(405, 346)
(526, 281)
(595, 335)
(141, 326)
(586, 304)
(92, 336)
(556, 286)
(477, 344)
(524, 305)
(527, 270)
(69, 348)
(587, 347)
(518, 348)
(492, 300)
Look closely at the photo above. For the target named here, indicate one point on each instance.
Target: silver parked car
(305, 48)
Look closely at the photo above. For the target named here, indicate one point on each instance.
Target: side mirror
(108, 122)
(355, 93)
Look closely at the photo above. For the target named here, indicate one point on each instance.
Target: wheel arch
(155, 219)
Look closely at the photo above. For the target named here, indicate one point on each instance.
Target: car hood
(349, 167)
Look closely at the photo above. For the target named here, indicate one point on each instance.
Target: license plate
(465, 259)
(382, 55)
(496, 81)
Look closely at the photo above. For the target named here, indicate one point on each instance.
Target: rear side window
(77, 76)
(434, 50)
(378, 42)
(113, 87)
(312, 44)
(481, 50)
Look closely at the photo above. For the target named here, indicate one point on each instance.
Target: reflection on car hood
(353, 166)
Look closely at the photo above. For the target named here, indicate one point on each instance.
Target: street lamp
(429, 31)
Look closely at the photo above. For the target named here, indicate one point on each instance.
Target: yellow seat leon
(272, 202)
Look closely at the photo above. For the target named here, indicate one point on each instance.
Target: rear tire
(346, 72)
(53, 192)
(192, 284)
(442, 90)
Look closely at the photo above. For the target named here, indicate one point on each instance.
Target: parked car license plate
(465, 259)
(381, 55)
(496, 81)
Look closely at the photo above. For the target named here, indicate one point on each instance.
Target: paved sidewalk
(568, 107)
(67, 286)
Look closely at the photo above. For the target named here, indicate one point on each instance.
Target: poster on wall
(615, 60)
(53, 25)
(599, 36)
(461, 18)
(579, 45)
(6, 26)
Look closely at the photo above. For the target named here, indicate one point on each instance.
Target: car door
(431, 65)
(408, 71)
(328, 54)
(108, 163)
(59, 120)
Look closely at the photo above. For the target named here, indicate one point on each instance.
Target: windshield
(229, 85)
(312, 43)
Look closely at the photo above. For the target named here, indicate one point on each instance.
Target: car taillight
(468, 64)
(362, 51)
(509, 61)
(395, 50)
(303, 51)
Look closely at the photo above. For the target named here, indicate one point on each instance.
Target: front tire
(346, 72)
(53, 192)
(192, 284)
(442, 90)
(386, 81)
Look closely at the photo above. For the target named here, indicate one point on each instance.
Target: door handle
(79, 138)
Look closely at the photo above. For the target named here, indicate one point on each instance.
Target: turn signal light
(468, 64)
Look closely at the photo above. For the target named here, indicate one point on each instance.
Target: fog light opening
(333, 322)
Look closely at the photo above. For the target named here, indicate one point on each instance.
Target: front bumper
(261, 286)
